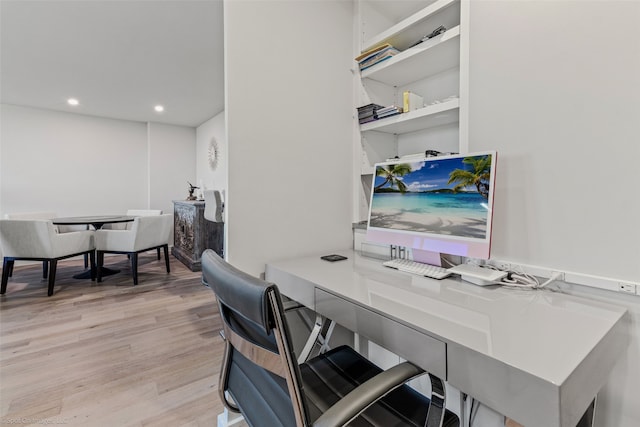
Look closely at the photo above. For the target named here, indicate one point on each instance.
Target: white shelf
(398, 33)
(423, 118)
(367, 170)
(426, 59)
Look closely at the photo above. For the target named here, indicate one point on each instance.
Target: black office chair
(261, 376)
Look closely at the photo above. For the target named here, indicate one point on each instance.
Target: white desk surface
(536, 356)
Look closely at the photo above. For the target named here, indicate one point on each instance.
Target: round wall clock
(213, 154)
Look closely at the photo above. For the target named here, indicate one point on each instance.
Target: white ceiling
(119, 58)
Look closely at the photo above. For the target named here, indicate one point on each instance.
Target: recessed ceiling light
(72, 101)
(159, 108)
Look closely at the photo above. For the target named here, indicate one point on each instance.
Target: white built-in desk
(539, 357)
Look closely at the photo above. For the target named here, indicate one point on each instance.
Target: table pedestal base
(105, 272)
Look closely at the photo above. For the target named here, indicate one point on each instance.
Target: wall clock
(213, 154)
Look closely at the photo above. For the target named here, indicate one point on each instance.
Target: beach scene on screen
(447, 197)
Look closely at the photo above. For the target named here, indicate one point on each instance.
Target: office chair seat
(329, 377)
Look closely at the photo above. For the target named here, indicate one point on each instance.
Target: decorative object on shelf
(447, 99)
(213, 154)
(441, 29)
(200, 192)
(411, 101)
(192, 188)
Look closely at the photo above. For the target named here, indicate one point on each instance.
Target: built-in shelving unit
(436, 69)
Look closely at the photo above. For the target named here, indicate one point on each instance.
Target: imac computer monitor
(434, 205)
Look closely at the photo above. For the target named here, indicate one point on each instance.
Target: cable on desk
(521, 280)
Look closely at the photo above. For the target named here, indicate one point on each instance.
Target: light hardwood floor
(110, 354)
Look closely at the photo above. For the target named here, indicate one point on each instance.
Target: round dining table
(97, 222)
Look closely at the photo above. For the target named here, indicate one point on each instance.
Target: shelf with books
(425, 59)
(430, 116)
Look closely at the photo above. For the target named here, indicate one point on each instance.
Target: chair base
(49, 267)
(229, 419)
(133, 256)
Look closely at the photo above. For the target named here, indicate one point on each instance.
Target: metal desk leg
(589, 416)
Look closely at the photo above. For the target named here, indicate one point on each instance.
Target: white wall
(172, 154)
(73, 164)
(213, 128)
(554, 88)
(289, 125)
(559, 101)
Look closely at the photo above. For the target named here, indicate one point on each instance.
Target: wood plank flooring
(110, 354)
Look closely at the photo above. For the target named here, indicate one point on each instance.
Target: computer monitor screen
(440, 204)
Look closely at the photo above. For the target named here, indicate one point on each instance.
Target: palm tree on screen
(392, 175)
(477, 176)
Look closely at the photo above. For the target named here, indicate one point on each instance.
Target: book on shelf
(377, 62)
(411, 101)
(369, 107)
(376, 55)
(364, 55)
(367, 119)
(383, 55)
(389, 111)
(367, 113)
(372, 112)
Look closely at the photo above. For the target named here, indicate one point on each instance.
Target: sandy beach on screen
(398, 219)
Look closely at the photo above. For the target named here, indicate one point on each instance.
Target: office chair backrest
(260, 371)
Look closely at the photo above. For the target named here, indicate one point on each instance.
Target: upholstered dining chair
(261, 378)
(146, 233)
(59, 228)
(38, 240)
(33, 215)
(144, 212)
(127, 225)
(132, 212)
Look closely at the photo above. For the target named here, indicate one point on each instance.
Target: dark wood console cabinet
(193, 233)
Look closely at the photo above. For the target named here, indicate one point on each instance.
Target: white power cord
(523, 280)
(555, 276)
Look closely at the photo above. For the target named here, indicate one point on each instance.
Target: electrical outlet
(627, 288)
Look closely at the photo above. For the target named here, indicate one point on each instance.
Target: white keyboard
(418, 268)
